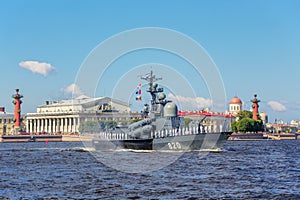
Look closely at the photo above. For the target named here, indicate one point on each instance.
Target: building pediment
(105, 103)
(84, 103)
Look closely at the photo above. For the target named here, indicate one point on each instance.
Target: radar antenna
(153, 90)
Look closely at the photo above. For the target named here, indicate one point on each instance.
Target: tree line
(245, 123)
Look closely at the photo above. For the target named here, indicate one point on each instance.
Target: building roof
(81, 100)
(3, 114)
(235, 100)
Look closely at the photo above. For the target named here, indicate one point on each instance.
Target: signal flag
(138, 98)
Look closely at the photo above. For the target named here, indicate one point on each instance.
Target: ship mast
(153, 89)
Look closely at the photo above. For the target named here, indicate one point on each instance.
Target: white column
(50, 126)
(66, 125)
(46, 125)
(58, 125)
(74, 125)
(70, 125)
(61, 121)
(62, 127)
(42, 125)
(30, 126)
(38, 126)
(27, 125)
(34, 125)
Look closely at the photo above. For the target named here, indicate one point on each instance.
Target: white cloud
(276, 106)
(72, 89)
(190, 103)
(38, 67)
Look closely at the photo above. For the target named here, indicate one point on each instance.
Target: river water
(243, 170)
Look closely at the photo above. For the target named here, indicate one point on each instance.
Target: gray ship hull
(206, 141)
(161, 128)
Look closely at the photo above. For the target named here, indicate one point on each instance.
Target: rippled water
(244, 170)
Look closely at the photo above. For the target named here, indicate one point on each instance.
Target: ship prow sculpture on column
(17, 111)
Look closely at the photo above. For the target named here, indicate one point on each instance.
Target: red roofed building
(235, 105)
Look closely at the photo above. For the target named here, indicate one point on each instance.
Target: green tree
(234, 126)
(245, 123)
(258, 125)
(244, 114)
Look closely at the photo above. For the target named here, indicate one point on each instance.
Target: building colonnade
(53, 125)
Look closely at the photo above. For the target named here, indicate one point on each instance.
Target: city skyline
(254, 44)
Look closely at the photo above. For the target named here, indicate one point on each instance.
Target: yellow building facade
(7, 124)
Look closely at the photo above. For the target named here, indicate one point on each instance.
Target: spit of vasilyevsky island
(110, 125)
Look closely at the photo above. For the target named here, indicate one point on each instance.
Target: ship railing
(165, 132)
(112, 136)
(178, 132)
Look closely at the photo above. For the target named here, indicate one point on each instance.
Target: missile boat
(163, 129)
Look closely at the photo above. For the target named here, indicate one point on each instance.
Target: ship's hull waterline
(174, 143)
(161, 128)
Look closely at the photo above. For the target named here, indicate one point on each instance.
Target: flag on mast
(139, 92)
(138, 98)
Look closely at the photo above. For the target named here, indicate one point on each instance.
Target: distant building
(295, 123)
(7, 123)
(264, 118)
(235, 105)
(280, 128)
(65, 116)
(280, 121)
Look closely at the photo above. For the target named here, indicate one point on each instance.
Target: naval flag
(138, 98)
(2, 109)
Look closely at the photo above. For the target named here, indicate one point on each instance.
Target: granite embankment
(264, 136)
(46, 138)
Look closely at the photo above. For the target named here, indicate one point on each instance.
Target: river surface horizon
(243, 170)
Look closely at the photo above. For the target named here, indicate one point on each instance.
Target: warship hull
(161, 128)
(172, 143)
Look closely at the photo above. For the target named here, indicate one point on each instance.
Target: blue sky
(255, 44)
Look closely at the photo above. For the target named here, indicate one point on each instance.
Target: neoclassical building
(7, 123)
(65, 116)
(235, 105)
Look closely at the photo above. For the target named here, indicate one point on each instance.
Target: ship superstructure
(162, 128)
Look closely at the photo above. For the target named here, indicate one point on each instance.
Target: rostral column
(255, 106)
(17, 110)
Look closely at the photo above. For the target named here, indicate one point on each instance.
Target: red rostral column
(17, 109)
(255, 106)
